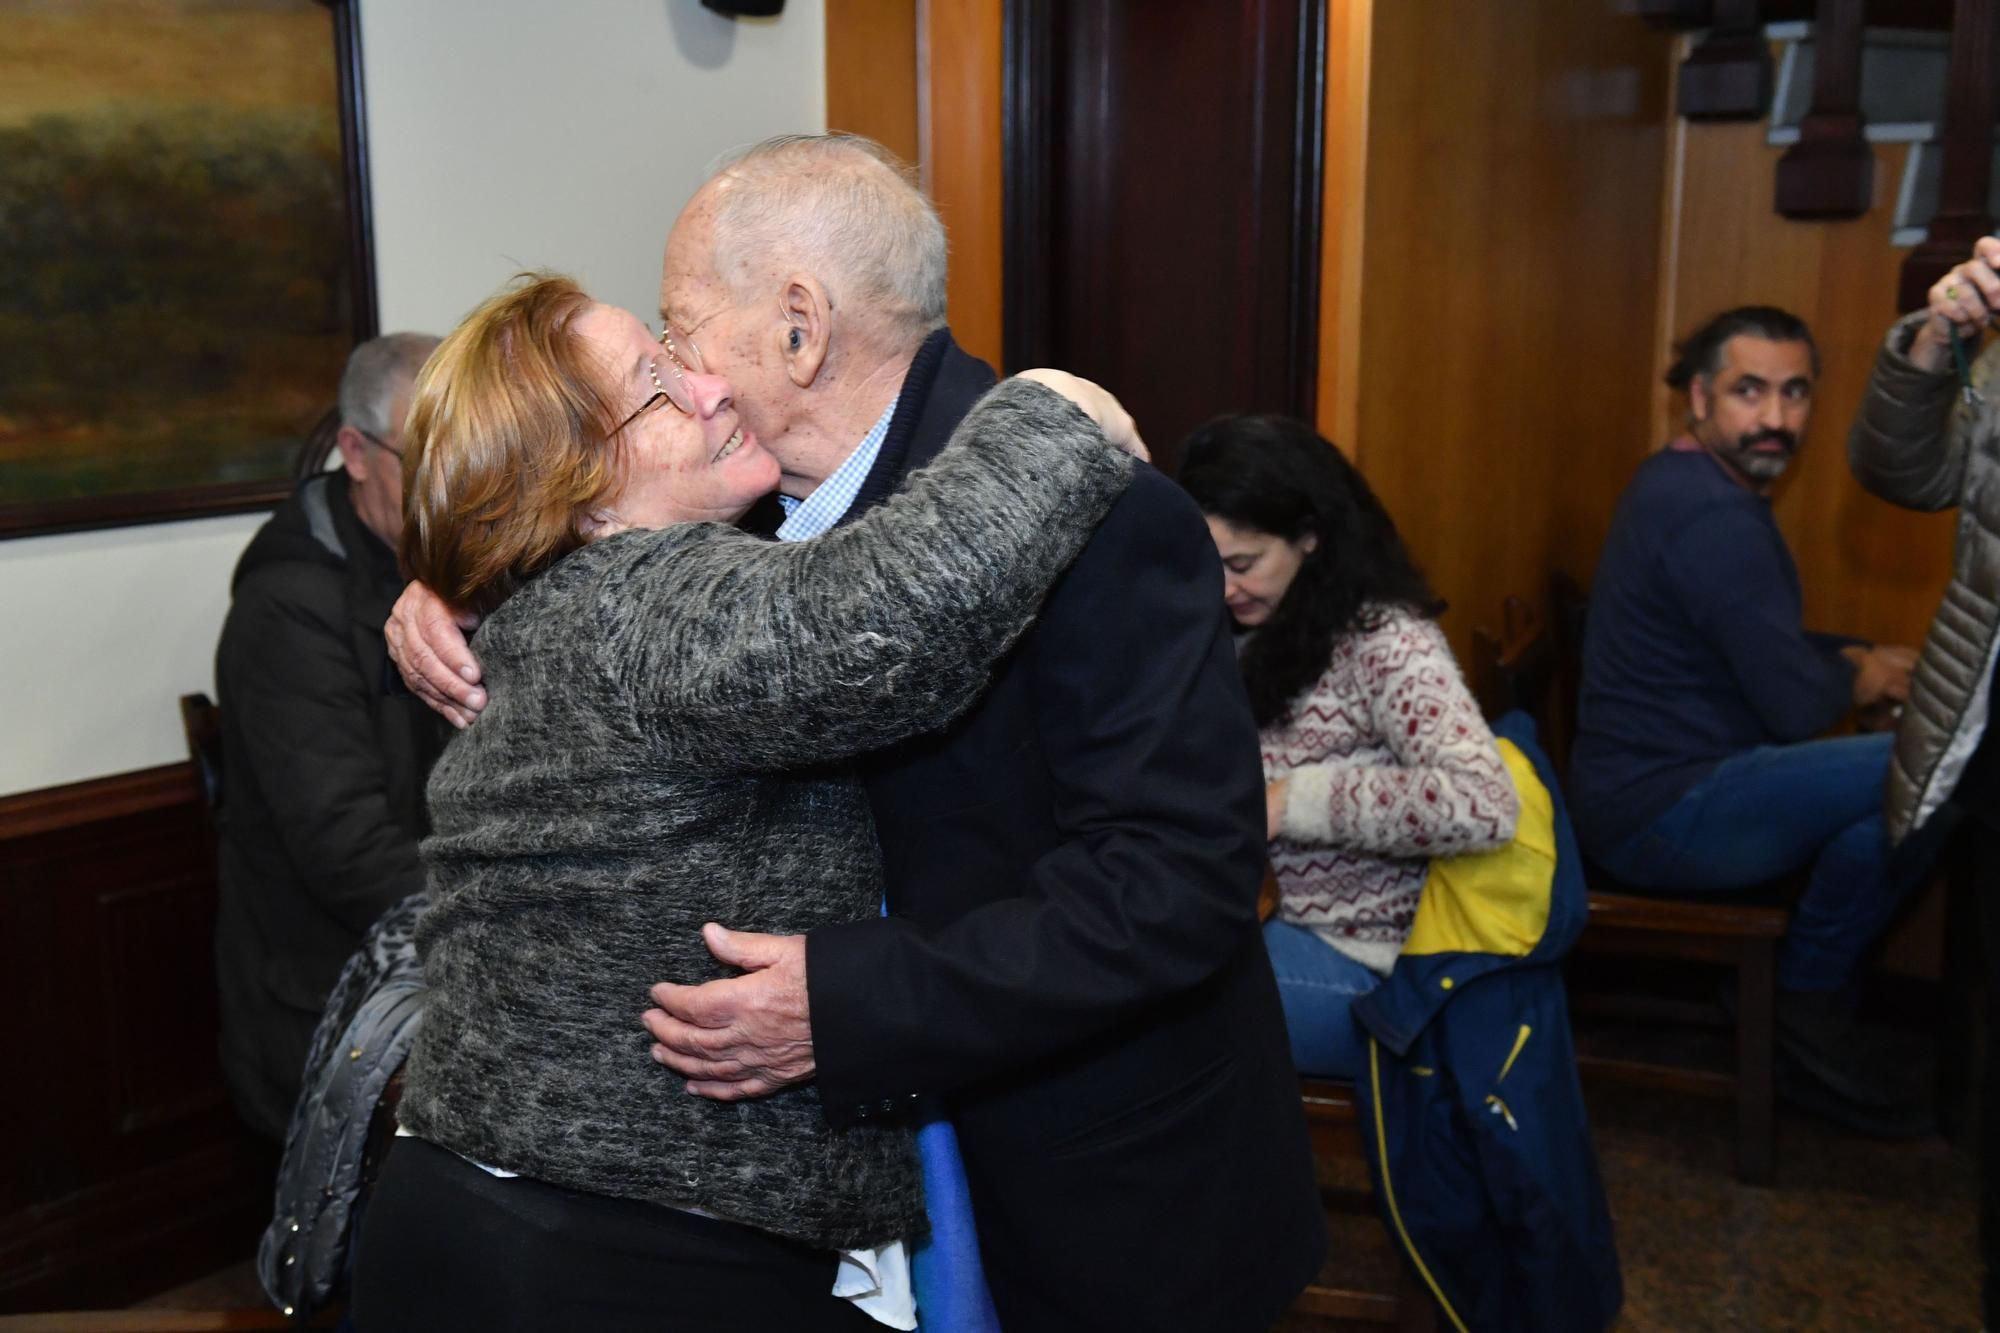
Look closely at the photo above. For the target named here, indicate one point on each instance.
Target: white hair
(376, 370)
(844, 209)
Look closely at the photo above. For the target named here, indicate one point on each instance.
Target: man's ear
(1701, 398)
(807, 328)
(353, 452)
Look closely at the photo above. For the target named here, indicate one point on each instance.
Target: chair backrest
(1569, 614)
(316, 450)
(1516, 668)
(201, 719)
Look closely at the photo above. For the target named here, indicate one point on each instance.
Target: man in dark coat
(323, 772)
(1071, 957)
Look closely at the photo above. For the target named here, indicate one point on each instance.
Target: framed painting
(185, 253)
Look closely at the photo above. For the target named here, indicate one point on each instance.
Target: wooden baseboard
(97, 801)
(153, 1321)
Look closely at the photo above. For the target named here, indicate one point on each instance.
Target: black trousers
(447, 1246)
(1985, 849)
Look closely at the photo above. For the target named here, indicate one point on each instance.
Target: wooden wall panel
(871, 72)
(923, 77)
(1343, 216)
(122, 1168)
(1516, 159)
(1868, 568)
(958, 110)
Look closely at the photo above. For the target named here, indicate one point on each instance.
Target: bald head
(807, 271)
(842, 208)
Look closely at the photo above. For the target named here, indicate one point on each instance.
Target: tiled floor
(1857, 1237)
(232, 1288)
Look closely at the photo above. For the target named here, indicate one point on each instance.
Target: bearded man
(1700, 764)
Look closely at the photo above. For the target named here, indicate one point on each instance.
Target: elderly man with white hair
(1070, 959)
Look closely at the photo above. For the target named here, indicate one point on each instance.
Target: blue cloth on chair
(945, 1268)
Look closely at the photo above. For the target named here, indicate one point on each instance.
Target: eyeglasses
(379, 443)
(681, 361)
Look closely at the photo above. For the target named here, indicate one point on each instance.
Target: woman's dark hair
(1279, 476)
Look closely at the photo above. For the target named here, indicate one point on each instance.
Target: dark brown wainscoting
(122, 1168)
(1162, 218)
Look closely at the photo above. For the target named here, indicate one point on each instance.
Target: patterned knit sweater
(663, 708)
(1390, 764)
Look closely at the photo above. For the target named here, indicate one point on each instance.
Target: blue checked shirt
(832, 498)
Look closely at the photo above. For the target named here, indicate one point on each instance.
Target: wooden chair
(1738, 933)
(1333, 1129)
(1333, 1126)
(1741, 937)
(201, 721)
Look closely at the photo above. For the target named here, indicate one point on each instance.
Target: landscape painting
(178, 266)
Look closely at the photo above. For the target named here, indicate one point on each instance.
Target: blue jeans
(1776, 809)
(1316, 984)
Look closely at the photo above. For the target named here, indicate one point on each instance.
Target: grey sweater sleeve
(1909, 441)
(749, 655)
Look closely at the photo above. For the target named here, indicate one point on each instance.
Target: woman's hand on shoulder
(1097, 403)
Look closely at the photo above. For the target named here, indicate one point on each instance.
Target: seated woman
(670, 697)
(1376, 755)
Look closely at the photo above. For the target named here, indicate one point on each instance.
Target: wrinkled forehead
(1772, 361)
(690, 286)
(615, 341)
(684, 283)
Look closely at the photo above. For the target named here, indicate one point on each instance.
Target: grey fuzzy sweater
(664, 708)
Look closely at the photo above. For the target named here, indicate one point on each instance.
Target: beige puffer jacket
(1918, 444)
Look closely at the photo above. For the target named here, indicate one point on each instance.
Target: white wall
(505, 134)
(511, 134)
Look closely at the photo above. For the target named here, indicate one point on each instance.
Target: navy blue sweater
(1695, 649)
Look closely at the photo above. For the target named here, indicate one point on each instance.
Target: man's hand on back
(744, 1036)
(427, 644)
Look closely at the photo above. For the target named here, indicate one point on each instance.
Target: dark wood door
(1163, 166)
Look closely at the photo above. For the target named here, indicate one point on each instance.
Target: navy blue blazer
(1073, 955)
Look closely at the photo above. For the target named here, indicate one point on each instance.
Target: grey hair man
(374, 399)
(323, 772)
(1071, 961)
